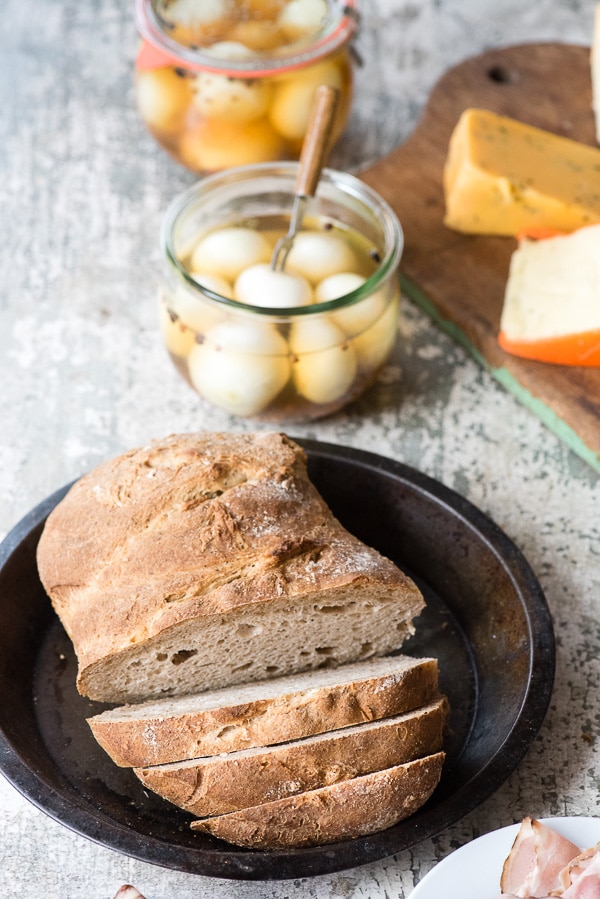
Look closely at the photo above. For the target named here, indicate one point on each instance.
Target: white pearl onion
(359, 316)
(190, 12)
(241, 366)
(177, 338)
(185, 314)
(162, 98)
(219, 96)
(375, 344)
(290, 108)
(302, 17)
(317, 255)
(325, 366)
(259, 285)
(229, 251)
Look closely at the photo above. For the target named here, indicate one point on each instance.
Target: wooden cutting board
(460, 279)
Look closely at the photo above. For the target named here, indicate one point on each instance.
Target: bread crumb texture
(263, 713)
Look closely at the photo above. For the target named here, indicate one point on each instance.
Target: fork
(312, 159)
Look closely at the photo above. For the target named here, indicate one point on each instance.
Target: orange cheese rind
(539, 232)
(568, 349)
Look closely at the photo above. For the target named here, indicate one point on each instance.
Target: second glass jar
(227, 83)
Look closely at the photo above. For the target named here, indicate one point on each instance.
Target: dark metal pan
(486, 621)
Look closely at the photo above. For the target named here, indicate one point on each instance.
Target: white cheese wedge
(551, 306)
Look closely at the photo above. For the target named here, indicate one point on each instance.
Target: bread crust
(226, 783)
(135, 739)
(191, 530)
(342, 811)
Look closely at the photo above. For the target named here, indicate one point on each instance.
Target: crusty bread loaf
(231, 781)
(341, 811)
(204, 560)
(264, 713)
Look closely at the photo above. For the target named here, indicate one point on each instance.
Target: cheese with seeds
(503, 176)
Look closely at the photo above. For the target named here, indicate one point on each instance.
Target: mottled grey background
(83, 376)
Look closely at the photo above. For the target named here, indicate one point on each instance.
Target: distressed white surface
(83, 377)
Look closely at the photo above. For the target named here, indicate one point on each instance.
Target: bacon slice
(537, 857)
(580, 879)
(128, 892)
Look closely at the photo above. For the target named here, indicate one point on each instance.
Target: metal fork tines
(312, 158)
(285, 243)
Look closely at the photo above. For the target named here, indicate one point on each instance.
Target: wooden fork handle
(316, 142)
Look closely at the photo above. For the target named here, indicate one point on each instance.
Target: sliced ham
(580, 879)
(128, 892)
(537, 857)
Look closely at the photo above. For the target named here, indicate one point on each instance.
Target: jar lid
(161, 48)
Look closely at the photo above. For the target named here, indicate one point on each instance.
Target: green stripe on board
(552, 421)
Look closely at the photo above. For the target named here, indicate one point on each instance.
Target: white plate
(473, 871)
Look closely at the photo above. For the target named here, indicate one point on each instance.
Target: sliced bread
(341, 811)
(264, 713)
(205, 560)
(225, 783)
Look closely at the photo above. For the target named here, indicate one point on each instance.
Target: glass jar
(279, 346)
(226, 83)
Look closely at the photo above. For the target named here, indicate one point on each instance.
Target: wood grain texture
(459, 278)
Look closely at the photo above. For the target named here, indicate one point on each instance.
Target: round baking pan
(486, 621)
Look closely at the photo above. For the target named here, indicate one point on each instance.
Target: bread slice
(226, 783)
(205, 560)
(342, 811)
(264, 713)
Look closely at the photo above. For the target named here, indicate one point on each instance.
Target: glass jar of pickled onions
(226, 83)
(279, 345)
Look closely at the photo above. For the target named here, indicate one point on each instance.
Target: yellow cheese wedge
(502, 177)
(595, 67)
(551, 306)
